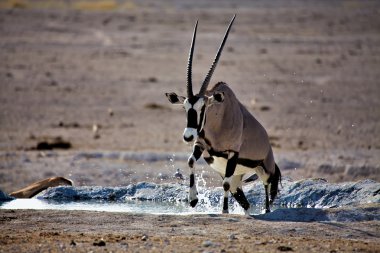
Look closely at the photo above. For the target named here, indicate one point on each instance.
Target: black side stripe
(241, 161)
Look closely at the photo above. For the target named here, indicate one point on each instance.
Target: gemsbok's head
(196, 105)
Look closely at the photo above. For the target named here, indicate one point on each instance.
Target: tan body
(231, 127)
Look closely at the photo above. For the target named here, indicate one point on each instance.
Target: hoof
(226, 186)
(225, 211)
(194, 202)
(267, 210)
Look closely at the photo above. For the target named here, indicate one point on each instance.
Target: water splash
(145, 197)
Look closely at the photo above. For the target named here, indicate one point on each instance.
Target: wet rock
(305, 200)
(319, 193)
(5, 197)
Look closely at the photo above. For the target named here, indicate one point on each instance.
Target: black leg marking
(190, 162)
(194, 202)
(225, 205)
(274, 181)
(226, 186)
(231, 164)
(197, 151)
(267, 209)
(209, 160)
(192, 180)
(241, 199)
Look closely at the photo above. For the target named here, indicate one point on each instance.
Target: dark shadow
(294, 215)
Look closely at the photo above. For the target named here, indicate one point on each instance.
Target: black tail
(275, 180)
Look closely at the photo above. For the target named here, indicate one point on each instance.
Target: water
(128, 206)
(150, 207)
(300, 200)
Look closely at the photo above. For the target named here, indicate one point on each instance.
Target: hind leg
(238, 193)
(271, 188)
(225, 203)
(267, 208)
(270, 180)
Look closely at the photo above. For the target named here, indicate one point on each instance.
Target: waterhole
(128, 206)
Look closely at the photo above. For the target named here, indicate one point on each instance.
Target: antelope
(226, 134)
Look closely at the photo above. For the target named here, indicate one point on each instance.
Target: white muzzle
(189, 134)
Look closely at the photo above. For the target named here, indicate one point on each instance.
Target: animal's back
(255, 142)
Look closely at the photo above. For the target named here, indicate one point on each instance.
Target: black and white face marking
(195, 109)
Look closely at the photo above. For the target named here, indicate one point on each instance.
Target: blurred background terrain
(82, 85)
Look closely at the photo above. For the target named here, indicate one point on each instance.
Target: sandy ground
(48, 231)
(308, 71)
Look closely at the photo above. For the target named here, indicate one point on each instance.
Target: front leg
(197, 152)
(230, 169)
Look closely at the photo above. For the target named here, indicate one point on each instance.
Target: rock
(99, 243)
(5, 197)
(232, 237)
(207, 244)
(53, 143)
(284, 248)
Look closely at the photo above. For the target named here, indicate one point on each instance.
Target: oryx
(230, 139)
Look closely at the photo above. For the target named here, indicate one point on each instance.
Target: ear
(218, 97)
(174, 98)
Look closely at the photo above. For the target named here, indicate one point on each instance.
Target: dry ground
(57, 231)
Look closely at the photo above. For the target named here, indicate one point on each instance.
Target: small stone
(73, 243)
(207, 244)
(99, 243)
(284, 248)
(110, 112)
(232, 237)
(144, 238)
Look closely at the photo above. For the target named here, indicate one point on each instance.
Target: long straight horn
(213, 66)
(190, 64)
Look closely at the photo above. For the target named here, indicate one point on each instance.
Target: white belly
(219, 164)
